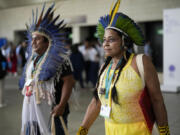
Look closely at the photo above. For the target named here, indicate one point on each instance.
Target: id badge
(105, 111)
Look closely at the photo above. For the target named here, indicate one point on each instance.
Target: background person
(3, 73)
(90, 61)
(77, 61)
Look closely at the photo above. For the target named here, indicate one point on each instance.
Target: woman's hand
(82, 131)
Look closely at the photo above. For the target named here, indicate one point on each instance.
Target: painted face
(112, 43)
(38, 43)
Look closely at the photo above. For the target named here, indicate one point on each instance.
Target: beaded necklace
(36, 61)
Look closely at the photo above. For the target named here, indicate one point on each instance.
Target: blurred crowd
(15, 57)
(86, 58)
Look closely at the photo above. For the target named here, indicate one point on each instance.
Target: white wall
(140, 10)
(171, 65)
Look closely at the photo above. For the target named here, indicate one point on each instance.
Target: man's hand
(57, 110)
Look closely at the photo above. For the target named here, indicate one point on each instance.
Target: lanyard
(109, 79)
(35, 65)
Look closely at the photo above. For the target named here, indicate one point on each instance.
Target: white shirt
(89, 54)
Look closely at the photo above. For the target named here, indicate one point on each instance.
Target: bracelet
(164, 130)
(82, 131)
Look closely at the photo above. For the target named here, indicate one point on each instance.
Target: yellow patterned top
(129, 88)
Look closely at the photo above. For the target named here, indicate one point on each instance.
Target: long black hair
(128, 44)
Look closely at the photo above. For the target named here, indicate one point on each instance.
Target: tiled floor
(10, 115)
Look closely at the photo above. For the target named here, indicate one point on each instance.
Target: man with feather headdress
(47, 79)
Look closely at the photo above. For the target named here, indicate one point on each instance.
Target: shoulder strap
(139, 61)
(128, 61)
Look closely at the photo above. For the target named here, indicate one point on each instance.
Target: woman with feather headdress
(127, 93)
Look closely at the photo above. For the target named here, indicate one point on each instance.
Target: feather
(27, 27)
(128, 26)
(36, 15)
(100, 31)
(60, 23)
(55, 19)
(33, 17)
(40, 17)
(111, 9)
(48, 11)
(50, 17)
(114, 11)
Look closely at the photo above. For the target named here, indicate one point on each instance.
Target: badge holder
(106, 109)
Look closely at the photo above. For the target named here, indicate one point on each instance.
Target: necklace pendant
(102, 91)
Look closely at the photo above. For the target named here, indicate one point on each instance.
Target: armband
(164, 130)
(82, 131)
